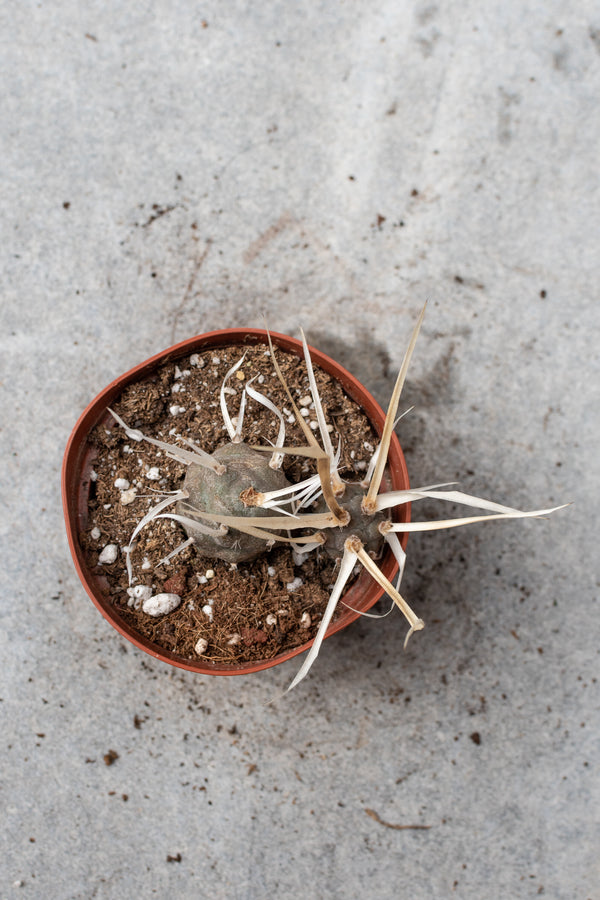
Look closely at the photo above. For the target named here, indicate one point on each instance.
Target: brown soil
(257, 607)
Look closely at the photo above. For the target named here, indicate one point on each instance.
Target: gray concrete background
(171, 168)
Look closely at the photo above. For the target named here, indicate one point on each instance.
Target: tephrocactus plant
(236, 503)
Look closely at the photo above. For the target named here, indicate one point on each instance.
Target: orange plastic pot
(76, 480)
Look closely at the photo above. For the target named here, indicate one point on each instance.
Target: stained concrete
(171, 168)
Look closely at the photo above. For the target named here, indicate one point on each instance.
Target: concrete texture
(171, 168)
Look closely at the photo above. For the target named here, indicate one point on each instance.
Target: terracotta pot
(76, 471)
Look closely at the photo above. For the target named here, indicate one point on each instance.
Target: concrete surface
(170, 168)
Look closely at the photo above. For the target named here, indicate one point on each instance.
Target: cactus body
(220, 495)
(364, 527)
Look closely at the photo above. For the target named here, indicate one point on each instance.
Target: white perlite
(122, 484)
(271, 619)
(295, 584)
(201, 646)
(208, 610)
(138, 594)
(95, 532)
(108, 555)
(305, 620)
(153, 474)
(129, 496)
(161, 604)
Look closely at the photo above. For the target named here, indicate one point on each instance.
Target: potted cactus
(238, 498)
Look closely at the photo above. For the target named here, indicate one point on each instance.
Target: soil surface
(249, 611)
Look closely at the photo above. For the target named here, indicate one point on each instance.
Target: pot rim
(362, 595)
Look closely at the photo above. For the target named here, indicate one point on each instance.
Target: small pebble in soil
(161, 604)
(208, 610)
(305, 620)
(175, 584)
(146, 564)
(95, 533)
(271, 619)
(271, 571)
(210, 573)
(138, 594)
(305, 401)
(251, 636)
(201, 646)
(108, 555)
